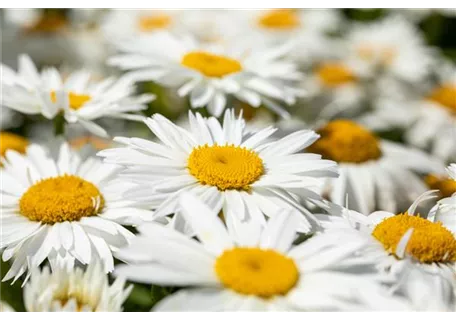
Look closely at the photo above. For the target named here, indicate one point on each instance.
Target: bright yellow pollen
(225, 167)
(63, 198)
(281, 19)
(153, 22)
(385, 55)
(445, 96)
(334, 74)
(430, 242)
(77, 101)
(446, 186)
(346, 141)
(11, 141)
(48, 23)
(254, 271)
(211, 65)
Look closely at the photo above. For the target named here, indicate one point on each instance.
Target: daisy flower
(411, 293)
(250, 267)
(74, 290)
(392, 45)
(77, 97)
(391, 239)
(234, 172)
(374, 173)
(62, 207)
(305, 29)
(211, 74)
(434, 127)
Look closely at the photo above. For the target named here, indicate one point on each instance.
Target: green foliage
(12, 294)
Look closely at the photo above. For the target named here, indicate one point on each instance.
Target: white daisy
(374, 174)
(62, 207)
(411, 293)
(247, 267)
(79, 98)
(391, 47)
(239, 174)
(435, 117)
(393, 240)
(305, 29)
(74, 290)
(211, 74)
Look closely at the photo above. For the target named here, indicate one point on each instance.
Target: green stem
(59, 125)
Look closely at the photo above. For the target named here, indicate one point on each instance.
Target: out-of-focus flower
(11, 141)
(211, 74)
(74, 290)
(5, 307)
(78, 97)
(374, 173)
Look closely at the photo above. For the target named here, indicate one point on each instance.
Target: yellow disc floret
(334, 74)
(76, 101)
(429, 243)
(153, 22)
(254, 271)
(445, 96)
(211, 65)
(48, 23)
(346, 141)
(225, 167)
(10, 141)
(446, 186)
(280, 19)
(63, 198)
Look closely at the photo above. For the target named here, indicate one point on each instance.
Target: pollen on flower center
(446, 186)
(211, 65)
(445, 96)
(225, 167)
(334, 74)
(254, 271)
(430, 242)
(346, 141)
(10, 141)
(153, 22)
(76, 101)
(63, 198)
(281, 19)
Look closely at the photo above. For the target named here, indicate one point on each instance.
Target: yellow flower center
(281, 19)
(254, 271)
(225, 167)
(76, 101)
(48, 23)
(10, 141)
(334, 74)
(446, 186)
(384, 55)
(430, 242)
(211, 65)
(63, 198)
(346, 141)
(153, 22)
(445, 96)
